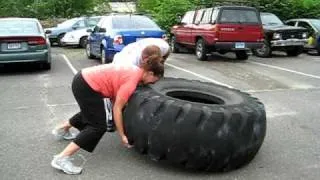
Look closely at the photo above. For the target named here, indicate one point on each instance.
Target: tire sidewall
(201, 51)
(265, 51)
(83, 41)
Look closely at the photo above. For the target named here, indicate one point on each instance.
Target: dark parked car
(313, 27)
(281, 37)
(221, 29)
(115, 31)
(24, 40)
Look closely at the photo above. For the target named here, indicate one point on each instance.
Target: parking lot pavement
(35, 101)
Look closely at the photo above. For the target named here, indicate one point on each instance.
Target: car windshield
(316, 23)
(93, 21)
(18, 27)
(270, 19)
(239, 16)
(68, 23)
(133, 22)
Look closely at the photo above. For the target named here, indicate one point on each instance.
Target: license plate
(14, 46)
(240, 45)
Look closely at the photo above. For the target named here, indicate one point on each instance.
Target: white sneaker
(60, 134)
(64, 164)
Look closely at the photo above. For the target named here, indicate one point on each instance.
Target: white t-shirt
(131, 54)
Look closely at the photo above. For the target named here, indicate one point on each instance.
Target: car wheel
(318, 49)
(103, 56)
(198, 125)
(51, 43)
(263, 52)
(45, 65)
(242, 55)
(174, 45)
(295, 51)
(83, 42)
(59, 39)
(88, 51)
(201, 50)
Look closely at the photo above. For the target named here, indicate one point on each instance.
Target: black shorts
(91, 120)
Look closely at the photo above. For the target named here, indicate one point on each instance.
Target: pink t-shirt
(113, 80)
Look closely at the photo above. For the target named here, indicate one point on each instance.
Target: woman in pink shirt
(90, 87)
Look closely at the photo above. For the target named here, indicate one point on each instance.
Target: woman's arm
(117, 114)
(122, 97)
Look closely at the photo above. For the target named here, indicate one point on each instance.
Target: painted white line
(281, 89)
(66, 104)
(74, 71)
(314, 59)
(198, 75)
(273, 115)
(285, 69)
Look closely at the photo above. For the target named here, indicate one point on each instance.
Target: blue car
(115, 31)
(58, 32)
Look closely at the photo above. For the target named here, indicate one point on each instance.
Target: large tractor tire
(198, 125)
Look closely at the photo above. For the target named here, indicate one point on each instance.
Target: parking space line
(74, 71)
(198, 75)
(285, 69)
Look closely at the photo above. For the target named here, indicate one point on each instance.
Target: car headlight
(304, 35)
(276, 36)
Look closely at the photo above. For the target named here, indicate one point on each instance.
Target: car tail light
(11, 39)
(117, 40)
(29, 40)
(216, 32)
(164, 37)
(36, 41)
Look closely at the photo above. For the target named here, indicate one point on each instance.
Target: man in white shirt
(132, 53)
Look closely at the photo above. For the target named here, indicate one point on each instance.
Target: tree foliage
(43, 9)
(165, 12)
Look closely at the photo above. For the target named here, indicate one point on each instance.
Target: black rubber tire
(44, 65)
(198, 125)
(47, 66)
(264, 52)
(59, 39)
(201, 50)
(295, 51)
(103, 58)
(173, 45)
(242, 55)
(83, 42)
(88, 52)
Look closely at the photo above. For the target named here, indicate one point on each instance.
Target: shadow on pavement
(20, 68)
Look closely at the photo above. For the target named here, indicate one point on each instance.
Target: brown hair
(150, 50)
(154, 65)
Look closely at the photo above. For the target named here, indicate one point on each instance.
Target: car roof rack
(229, 3)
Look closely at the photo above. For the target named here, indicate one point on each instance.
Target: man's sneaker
(64, 164)
(60, 134)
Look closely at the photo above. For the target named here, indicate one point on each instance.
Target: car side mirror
(102, 30)
(89, 30)
(48, 31)
(179, 19)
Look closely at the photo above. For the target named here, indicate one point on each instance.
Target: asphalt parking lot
(34, 101)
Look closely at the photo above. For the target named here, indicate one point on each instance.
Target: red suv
(221, 29)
